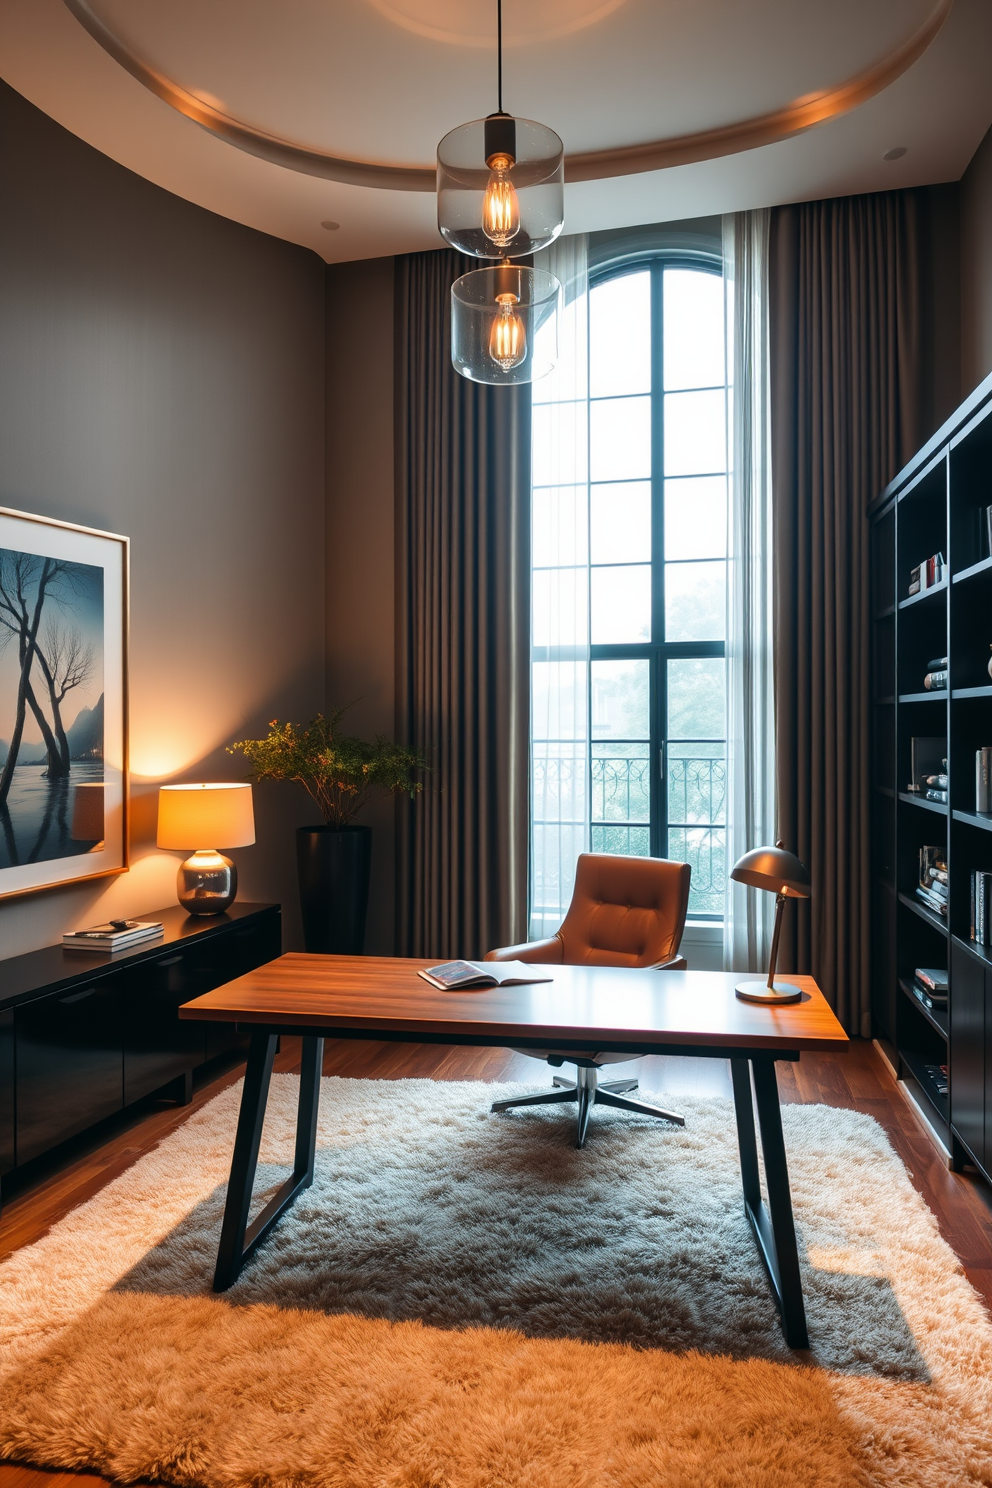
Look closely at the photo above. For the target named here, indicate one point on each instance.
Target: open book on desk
(476, 976)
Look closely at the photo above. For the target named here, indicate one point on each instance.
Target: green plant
(339, 771)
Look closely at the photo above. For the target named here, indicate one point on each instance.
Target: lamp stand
(771, 991)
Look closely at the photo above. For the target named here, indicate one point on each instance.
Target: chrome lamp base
(779, 992)
(207, 883)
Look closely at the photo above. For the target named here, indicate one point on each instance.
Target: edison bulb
(507, 339)
(500, 207)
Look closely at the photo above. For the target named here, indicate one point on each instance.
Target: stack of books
(981, 908)
(115, 935)
(936, 675)
(933, 886)
(927, 575)
(936, 787)
(930, 986)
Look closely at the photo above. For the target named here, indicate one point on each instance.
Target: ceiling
(288, 115)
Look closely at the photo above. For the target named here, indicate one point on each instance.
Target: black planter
(334, 864)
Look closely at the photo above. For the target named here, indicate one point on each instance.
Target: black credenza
(84, 1035)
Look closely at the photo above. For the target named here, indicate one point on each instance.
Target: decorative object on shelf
(933, 889)
(220, 814)
(63, 690)
(936, 674)
(501, 193)
(340, 773)
(927, 756)
(781, 873)
(983, 779)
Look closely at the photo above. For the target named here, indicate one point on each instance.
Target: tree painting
(51, 704)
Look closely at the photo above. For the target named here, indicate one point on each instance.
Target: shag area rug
(463, 1300)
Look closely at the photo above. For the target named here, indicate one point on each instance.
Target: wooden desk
(583, 1008)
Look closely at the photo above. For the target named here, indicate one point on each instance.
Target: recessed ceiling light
(895, 154)
(331, 226)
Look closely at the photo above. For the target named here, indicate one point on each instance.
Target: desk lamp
(781, 873)
(220, 814)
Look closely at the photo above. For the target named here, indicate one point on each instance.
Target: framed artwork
(63, 703)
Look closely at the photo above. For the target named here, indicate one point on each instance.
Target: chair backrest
(625, 911)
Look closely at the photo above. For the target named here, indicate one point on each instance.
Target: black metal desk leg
(254, 1095)
(774, 1228)
(238, 1239)
(740, 1072)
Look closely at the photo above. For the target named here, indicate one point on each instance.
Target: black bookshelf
(934, 505)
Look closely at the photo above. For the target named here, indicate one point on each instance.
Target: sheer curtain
(560, 601)
(751, 775)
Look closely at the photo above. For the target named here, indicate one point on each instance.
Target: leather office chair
(624, 912)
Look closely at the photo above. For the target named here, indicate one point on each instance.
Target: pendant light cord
(499, 53)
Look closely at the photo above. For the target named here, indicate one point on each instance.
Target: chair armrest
(677, 963)
(536, 952)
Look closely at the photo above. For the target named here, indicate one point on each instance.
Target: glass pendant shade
(504, 324)
(500, 187)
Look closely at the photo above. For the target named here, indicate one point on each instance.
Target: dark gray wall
(360, 545)
(161, 375)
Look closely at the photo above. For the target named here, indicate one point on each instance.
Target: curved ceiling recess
(592, 165)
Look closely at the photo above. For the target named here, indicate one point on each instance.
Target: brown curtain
(846, 388)
(463, 630)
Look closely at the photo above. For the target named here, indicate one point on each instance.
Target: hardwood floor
(855, 1079)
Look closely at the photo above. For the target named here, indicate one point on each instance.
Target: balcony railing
(620, 788)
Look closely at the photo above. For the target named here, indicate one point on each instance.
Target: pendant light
(500, 181)
(500, 192)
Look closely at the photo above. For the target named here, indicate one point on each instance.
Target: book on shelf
(476, 976)
(933, 1002)
(115, 935)
(935, 905)
(981, 907)
(937, 890)
(927, 574)
(983, 778)
(933, 978)
(935, 681)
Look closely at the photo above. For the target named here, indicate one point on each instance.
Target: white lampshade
(198, 816)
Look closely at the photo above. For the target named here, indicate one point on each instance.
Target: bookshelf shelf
(912, 800)
(915, 599)
(926, 915)
(935, 505)
(974, 571)
(935, 1018)
(981, 819)
(917, 1067)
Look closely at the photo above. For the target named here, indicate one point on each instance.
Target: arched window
(655, 566)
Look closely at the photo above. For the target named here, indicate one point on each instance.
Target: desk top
(597, 1005)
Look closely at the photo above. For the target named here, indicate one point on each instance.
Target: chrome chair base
(587, 1091)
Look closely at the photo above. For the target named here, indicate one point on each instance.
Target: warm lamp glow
(507, 339)
(199, 816)
(500, 206)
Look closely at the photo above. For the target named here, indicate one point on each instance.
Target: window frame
(656, 652)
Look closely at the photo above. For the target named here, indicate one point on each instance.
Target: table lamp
(220, 814)
(781, 873)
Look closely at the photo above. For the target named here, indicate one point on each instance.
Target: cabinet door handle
(169, 961)
(78, 996)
